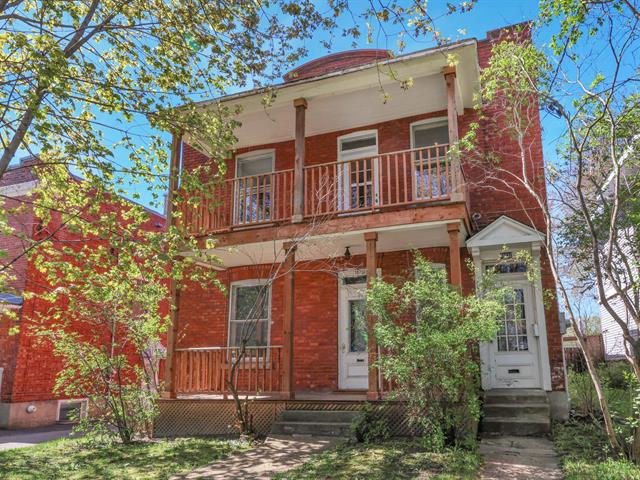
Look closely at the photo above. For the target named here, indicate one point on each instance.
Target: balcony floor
(346, 396)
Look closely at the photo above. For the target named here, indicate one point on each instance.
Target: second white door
(353, 367)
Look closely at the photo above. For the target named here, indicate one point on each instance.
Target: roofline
(280, 86)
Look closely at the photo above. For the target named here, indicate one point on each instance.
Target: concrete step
(523, 425)
(515, 396)
(511, 410)
(318, 416)
(323, 429)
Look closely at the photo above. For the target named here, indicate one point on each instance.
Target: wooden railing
(242, 201)
(208, 370)
(396, 179)
(386, 180)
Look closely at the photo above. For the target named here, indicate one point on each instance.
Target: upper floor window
(250, 314)
(359, 172)
(253, 187)
(430, 169)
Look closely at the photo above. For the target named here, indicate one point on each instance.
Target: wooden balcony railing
(207, 370)
(416, 176)
(242, 201)
(386, 180)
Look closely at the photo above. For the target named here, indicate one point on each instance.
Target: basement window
(71, 410)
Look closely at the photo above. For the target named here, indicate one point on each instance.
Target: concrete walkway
(276, 454)
(27, 437)
(519, 458)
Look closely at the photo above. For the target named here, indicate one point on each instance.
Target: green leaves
(427, 331)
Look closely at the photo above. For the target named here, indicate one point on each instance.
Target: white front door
(353, 366)
(513, 355)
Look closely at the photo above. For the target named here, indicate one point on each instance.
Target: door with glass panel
(514, 352)
(357, 171)
(252, 189)
(353, 363)
(430, 179)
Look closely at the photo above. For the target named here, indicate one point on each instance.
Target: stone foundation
(16, 415)
(559, 403)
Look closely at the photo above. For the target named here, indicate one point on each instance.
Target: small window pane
(251, 302)
(354, 280)
(357, 326)
(361, 142)
(255, 165)
(430, 134)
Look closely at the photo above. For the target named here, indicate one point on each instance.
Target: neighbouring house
(28, 366)
(329, 186)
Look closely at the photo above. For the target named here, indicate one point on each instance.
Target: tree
(591, 215)
(430, 361)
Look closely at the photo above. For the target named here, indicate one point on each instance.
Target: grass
(585, 454)
(386, 461)
(75, 459)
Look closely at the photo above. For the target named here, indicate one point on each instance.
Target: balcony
(417, 177)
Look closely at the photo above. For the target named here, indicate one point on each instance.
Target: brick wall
(316, 314)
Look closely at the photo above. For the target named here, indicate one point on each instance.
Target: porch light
(347, 254)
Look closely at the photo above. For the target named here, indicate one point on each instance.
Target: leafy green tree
(432, 361)
(590, 204)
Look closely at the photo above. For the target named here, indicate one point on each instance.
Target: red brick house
(331, 185)
(28, 367)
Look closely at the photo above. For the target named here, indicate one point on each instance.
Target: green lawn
(76, 459)
(386, 461)
(582, 446)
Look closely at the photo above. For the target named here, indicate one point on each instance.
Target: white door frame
(517, 369)
(344, 171)
(353, 367)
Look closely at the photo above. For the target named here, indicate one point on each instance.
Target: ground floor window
(72, 410)
(250, 314)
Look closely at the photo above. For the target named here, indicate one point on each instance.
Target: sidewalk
(276, 454)
(27, 437)
(519, 458)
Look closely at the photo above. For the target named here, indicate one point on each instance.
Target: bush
(370, 425)
(430, 361)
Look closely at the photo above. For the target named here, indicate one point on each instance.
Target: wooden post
(454, 254)
(300, 105)
(452, 120)
(288, 385)
(174, 294)
(373, 392)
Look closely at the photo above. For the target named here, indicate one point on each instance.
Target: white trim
(84, 406)
(485, 247)
(354, 136)
(253, 154)
(18, 189)
(419, 123)
(248, 283)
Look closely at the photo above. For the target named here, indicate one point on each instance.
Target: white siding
(611, 331)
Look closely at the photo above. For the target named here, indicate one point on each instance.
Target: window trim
(353, 136)
(419, 123)
(248, 283)
(84, 402)
(254, 154)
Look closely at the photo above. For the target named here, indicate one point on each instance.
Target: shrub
(430, 361)
(370, 425)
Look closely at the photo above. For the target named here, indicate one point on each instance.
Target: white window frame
(345, 172)
(84, 406)
(420, 123)
(232, 307)
(412, 144)
(253, 155)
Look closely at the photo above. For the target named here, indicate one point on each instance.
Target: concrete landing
(519, 458)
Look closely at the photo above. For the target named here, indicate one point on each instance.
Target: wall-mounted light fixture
(347, 254)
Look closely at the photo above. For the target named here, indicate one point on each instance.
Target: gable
(505, 231)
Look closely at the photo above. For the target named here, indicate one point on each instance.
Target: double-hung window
(358, 172)
(250, 313)
(430, 138)
(253, 187)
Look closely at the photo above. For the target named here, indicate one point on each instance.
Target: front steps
(320, 423)
(519, 412)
